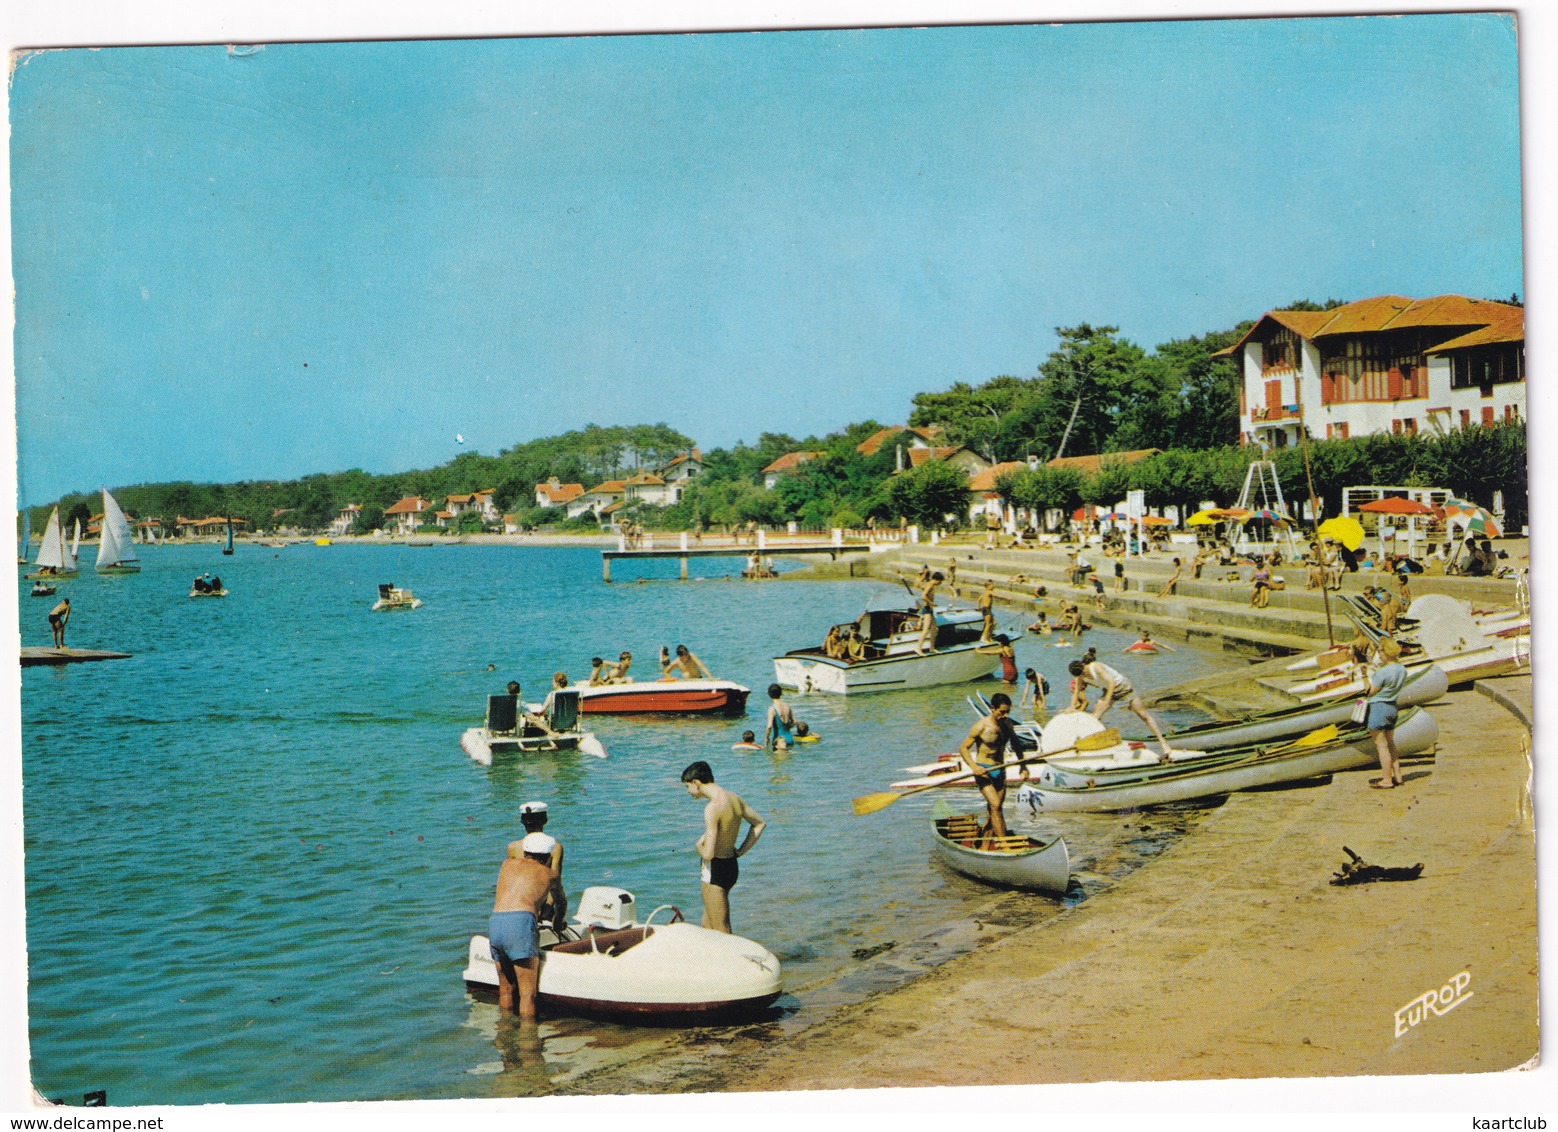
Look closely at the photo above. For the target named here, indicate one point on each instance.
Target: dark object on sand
(1359, 871)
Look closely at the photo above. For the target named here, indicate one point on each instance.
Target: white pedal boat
(640, 972)
(510, 732)
(393, 597)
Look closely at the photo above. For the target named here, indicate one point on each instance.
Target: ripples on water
(255, 852)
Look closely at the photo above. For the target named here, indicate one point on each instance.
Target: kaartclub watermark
(1437, 1002)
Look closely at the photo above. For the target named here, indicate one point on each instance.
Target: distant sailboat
(116, 545)
(26, 547)
(55, 559)
(75, 543)
(228, 549)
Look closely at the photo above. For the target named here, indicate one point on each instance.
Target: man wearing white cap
(533, 815)
(524, 880)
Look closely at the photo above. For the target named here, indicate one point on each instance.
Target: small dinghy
(1014, 861)
(667, 697)
(43, 589)
(611, 966)
(393, 597)
(512, 732)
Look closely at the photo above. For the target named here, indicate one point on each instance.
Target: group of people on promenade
(684, 665)
(530, 890)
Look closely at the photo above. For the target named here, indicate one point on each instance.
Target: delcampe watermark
(1439, 1002)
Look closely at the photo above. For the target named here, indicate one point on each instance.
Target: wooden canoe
(1016, 861)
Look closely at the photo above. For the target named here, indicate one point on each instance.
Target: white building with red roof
(598, 498)
(785, 464)
(1386, 364)
(555, 493)
(407, 513)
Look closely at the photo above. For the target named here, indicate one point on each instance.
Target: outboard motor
(608, 908)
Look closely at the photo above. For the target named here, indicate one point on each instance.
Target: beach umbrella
(1201, 519)
(1343, 529)
(1237, 514)
(1265, 513)
(1157, 521)
(1395, 505)
(1483, 524)
(1477, 520)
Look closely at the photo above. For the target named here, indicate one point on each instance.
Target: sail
(116, 545)
(75, 543)
(21, 555)
(229, 549)
(54, 552)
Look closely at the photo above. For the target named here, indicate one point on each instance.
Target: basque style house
(1386, 364)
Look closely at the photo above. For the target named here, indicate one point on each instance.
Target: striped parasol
(1477, 520)
(1265, 514)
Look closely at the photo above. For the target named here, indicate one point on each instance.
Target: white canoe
(1018, 861)
(644, 973)
(1416, 733)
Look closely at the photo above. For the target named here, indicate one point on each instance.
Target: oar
(871, 803)
(1319, 737)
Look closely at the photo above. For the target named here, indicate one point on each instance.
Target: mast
(1314, 516)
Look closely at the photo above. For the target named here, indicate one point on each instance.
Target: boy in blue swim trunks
(524, 881)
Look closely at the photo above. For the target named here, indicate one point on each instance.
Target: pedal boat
(665, 697)
(510, 732)
(640, 972)
(890, 663)
(393, 597)
(1015, 861)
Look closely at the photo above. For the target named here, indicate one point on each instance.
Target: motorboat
(607, 964)
(1219, 773)
(669, 697)
(538, 729)
(394, 597)
(890, 659)
(1014, 861)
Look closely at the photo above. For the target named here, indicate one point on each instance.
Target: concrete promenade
(1231, 955)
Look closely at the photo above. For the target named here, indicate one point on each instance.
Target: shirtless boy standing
(717, 848)
(524, 881)
(984, 751)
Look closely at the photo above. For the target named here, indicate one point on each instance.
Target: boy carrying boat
(984, 752)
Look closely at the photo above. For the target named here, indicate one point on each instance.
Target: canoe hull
(669, 697)
(1416, 733)
(1045, 867)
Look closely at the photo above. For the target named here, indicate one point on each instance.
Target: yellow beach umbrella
(1343, 529)
(1201, 519)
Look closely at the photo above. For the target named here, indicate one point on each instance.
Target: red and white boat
(668, 697)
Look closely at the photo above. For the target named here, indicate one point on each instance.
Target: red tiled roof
(1387, 312)
(985, 480)
(791, 460)
(645, 479)
(609, 487)
(872, 444)
(410, 505)
(918, 456)
(1092, 465)
(1510, 328)
(562, 493)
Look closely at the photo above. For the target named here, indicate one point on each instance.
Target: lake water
(255, 852)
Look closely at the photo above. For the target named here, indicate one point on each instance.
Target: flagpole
(1314, 514)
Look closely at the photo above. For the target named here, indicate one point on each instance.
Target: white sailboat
(55, 559)
(75, 543)
(26, 547)
(116, 545)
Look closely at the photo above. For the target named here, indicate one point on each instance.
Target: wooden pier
(38, 654)
(683, 552)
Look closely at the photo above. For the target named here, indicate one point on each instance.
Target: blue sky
(312, 257)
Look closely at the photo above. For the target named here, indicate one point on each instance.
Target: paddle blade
(1317, 738)
(1109, 738)
(873, 802)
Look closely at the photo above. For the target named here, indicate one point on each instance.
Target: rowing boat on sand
(1014, 861)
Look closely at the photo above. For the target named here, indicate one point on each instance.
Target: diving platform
(762, 546)
(37, 654)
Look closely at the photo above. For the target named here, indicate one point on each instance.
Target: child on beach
(748, 743)
(1098, 590)
(1119, 576)
(1034, 693)
(1041, 625)
(1172, 585)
